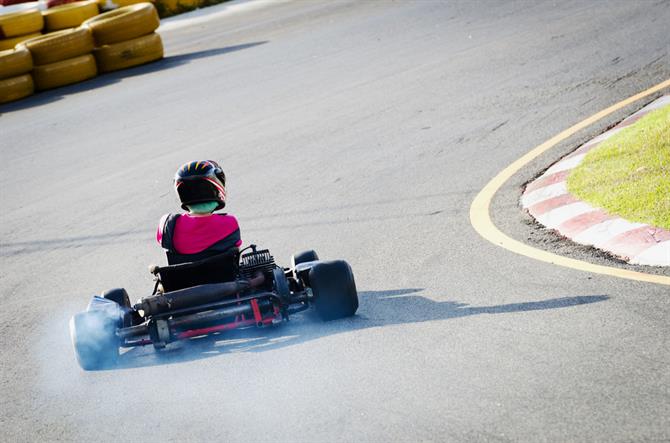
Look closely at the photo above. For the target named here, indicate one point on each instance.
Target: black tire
(303, 257)
(119, 295)
(281, 284)
(334, 290)
(94, 340)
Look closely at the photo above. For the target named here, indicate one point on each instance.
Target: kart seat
(219, 268)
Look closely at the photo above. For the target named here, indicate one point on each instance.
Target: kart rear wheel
(94, 340)
(303, 257)
(334, 290)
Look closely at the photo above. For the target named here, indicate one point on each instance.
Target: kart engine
(253, 262)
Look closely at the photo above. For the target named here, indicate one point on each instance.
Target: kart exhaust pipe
(185, 298)
(197, 295)
(133, 331)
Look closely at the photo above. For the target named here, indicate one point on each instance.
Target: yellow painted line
(481, 219)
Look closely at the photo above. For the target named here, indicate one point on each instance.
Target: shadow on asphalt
(10, 249)
(178, 60)
(379, 309)
(103, 80)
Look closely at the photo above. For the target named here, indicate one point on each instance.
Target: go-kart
(227, 291)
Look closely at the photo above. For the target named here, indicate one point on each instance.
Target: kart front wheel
(119, 295)
(93, 335)
(334, 289)
(303, 257)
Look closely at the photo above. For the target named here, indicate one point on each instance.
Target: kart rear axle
(203, 319)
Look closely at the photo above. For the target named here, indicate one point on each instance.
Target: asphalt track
(363, 130)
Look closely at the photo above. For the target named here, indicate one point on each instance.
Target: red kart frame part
(225, 327)
(258, 321)
(218, 328)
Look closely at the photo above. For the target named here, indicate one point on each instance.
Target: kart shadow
(378, 308)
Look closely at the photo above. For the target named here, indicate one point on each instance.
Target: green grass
(629, 173)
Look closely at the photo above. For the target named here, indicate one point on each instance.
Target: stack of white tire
(125, 37)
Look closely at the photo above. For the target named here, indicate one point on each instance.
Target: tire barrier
(69, 15)
(20, 23)
(123, 24)
(15, 62)
(15, 88)
(59, 45)
(65, 72)
(107, 42)
(10, 43)
(137, 51)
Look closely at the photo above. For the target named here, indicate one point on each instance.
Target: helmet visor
(197, 191)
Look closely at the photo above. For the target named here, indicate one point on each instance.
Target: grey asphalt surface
(362, 130)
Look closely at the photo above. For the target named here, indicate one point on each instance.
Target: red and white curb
(547, 199)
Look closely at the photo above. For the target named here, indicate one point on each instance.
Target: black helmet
(199, 182)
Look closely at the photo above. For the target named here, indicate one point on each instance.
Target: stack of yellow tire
(15, 79)
(18, 26)
(61, 58)
(64, 55)
(69, 15)
(125, 37)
